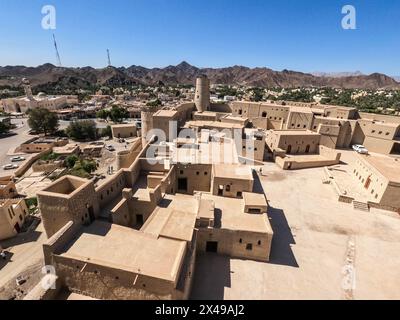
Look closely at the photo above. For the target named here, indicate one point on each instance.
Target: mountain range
(184, 73)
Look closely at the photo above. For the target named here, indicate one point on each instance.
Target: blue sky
(302, 35)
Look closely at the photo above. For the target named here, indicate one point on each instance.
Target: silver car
(17, 159)
(10, 167)
(360, 149)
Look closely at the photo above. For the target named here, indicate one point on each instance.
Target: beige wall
(234, 243)
(58, 209)
(126, 158)
(106, 281)
(124, 131)
(8, 189)
(295, 143)
(111, 189)
(379, 188)
(198, 177)
(299, 120)
(231, 187)
(10, 216)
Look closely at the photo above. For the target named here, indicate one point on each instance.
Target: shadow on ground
(212, 276)
(30, 236)
(257, 187)
(4, 262)
(281, 251)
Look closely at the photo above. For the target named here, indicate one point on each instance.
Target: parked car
(360, 149)
(20, 280)
(17, 159)
(3, 254)
(10, 167)
(110, 148)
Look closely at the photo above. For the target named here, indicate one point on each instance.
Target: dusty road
(25, 251)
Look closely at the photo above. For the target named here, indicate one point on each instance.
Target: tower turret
(27, 88)
(202, 96)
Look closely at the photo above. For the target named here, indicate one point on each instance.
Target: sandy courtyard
(322, 249)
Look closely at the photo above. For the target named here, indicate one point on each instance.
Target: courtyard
(320, 246)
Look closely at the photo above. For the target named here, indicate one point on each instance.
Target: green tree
(82, 130)
(103, 114)
(154, 103)
(42, 120)
(71, 161)
(118, 114)
(106, 132)
(4, 128)
(89, 166)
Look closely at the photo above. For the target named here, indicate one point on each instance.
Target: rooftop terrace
(124, 248)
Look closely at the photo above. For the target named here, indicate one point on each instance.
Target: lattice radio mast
(57, 53)
(108, 57)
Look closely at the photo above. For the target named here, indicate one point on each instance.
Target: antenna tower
(57, 53)
(108, 57)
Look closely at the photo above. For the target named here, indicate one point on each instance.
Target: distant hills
(72, 78)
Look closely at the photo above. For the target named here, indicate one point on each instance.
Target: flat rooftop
(207, 153)
(387, 166)
(66, 185)
(301, 109)
(296, 132)
(174, 217)
(206, 113)
(213, 124)
(233, 216)
(127, 249)
(254, 199)
(233, 171)
(165, 113)
(124, 125)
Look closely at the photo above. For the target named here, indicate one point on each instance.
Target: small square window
(249, 247)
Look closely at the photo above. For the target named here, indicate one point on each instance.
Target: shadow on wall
(98, 229)
(217, 218)
(212, 276)
(281, 251)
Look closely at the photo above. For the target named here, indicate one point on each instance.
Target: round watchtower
(202, 97)
(147, 123)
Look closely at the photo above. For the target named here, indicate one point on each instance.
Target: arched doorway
(308, 148)
(289, 149)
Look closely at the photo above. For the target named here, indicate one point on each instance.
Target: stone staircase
(362, 206)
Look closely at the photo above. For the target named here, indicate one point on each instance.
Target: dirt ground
(12, 291)
(24, 257)
(322, 249)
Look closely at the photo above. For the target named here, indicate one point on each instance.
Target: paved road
(8, 144)
(20, 135)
